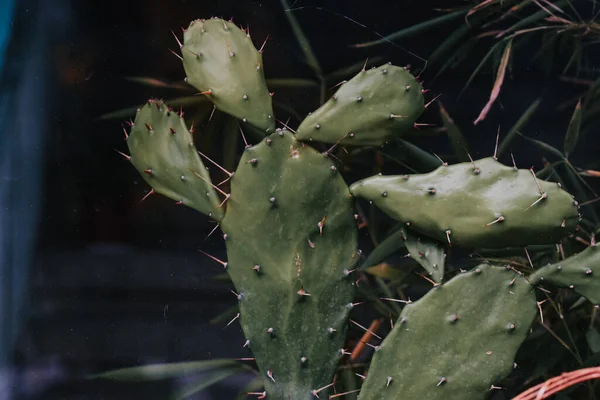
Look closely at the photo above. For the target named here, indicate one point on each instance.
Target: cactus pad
(291, 242)
(221, 61)
(375, 106)
(580, 272)
(455, 342)
(429, 253)
(479, 204)
(162, 150)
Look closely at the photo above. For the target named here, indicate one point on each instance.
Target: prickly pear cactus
(580, 272)
(479, 204)
(291, 242)
(455, 342)
(375, 106)
(221, 61)
(162, 150)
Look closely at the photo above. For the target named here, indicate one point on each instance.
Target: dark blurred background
(91, 279)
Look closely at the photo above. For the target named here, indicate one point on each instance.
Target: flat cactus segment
(580, 272)
(162, 150)
(455, 342)
(427, 252)
(291, 241)
(479, 204)
(374, 107)
(221, 61)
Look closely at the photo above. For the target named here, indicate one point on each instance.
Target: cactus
(291, 244)
(221, 61)
(291, 235)
(581, 273)
(456, 341)
(374, 107)
(478, 204)
(162, 150)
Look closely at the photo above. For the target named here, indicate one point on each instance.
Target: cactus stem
(365, 329)
(432, 100)
(223, 263)
(321, 224)
(231, 322)
(445, 164)
(270, 375)
(177, 39)
(125, 156)
(150, 193)
(262, 48)
(315, 392)
(496, 147)
(176, 55)
(343, 394)
(499, 219)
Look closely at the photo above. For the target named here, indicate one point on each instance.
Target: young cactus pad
(455, 342)
(479, 204)
(162, 150)
(375, 106)
(291, 242)
(221, 61)
(580, 272)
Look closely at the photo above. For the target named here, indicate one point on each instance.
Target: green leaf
(386, 248)
(415, 29)
(517, 127)
(457, 139)
(291, 83)
(153, 372)
(573, 130)
(417, 157)
(197, 387)
(176, 102)
(544, 146)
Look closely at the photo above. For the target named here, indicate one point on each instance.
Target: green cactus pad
(479, 204)
(162, 150)
(220, 58)
(374, 107)
(427, 252)
(455, 342)
(291, 241)
(580, 272)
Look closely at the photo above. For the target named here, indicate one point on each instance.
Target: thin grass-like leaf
(457, 139)
(479, 66)
(311, 58)
(155, 372)
(522, 121)
(153, 82)
(415, 29)
(544, 146)
(175, 102)
(528, 20)
(497, 83)
(390, 245)
(197, 387)
(419, 159)
(291, 83)
(573, 130)
(448, 44)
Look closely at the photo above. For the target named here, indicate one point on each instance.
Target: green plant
(291, 231)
